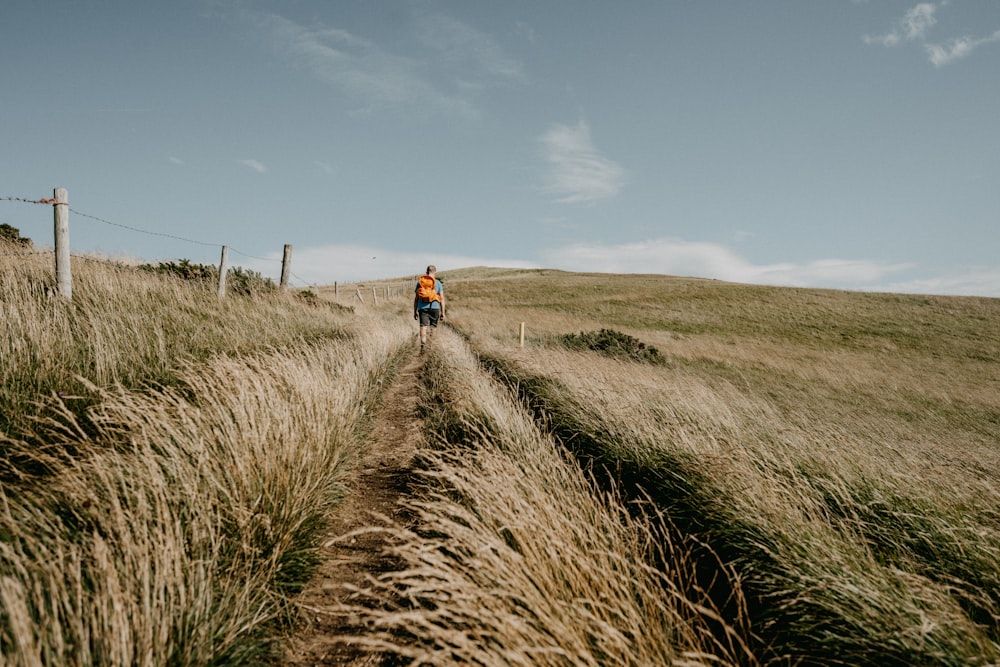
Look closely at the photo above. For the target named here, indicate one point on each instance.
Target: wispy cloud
(175, 160)
(451, 59)
(465, 47)
(914, 25)
(711, 260)
(255, 165)
(324, 265)
(977, 281)
(358, 67)
(956, 49)
(578, 173)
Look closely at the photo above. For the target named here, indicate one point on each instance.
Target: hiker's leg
(425, 322)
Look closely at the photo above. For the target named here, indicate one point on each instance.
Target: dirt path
(379, 483)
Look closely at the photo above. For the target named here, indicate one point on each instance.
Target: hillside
(668, 471)
(839, 449)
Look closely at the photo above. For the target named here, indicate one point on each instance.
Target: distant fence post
(374, 296)
(286, 265)
(336, 291)
(522, 334)
(60, 219)
(222, 271)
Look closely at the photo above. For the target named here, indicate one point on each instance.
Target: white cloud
(914, 25)
(982, 281)
(578, 173)
(324, 265)
(711, 260)
(358, 67)
(377, 77)
(956, 49)
(255, 165)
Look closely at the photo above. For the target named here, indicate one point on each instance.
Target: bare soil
(378, 484)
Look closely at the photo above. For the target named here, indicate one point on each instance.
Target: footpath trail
(376, 488)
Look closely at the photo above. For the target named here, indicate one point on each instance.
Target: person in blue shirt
(428, 303)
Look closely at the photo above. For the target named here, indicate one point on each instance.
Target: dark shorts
(429, 317)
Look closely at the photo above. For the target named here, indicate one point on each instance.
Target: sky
(848, 144)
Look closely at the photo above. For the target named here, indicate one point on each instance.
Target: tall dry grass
(514, 557)
(126, 326)
(183, 517)
(839, 449)
(167, 518)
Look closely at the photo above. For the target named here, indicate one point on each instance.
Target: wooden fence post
(522, 334)
(60, 219)
(374, 296)
(286, 265)
(222, 271)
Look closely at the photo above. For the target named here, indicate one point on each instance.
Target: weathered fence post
(60, 219)
(286, 265)
(336, 291)
(222, 271)
(374, 296)
(522, 334)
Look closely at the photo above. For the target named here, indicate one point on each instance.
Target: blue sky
(836, 143)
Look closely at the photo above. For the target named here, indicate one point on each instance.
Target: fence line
(388, 291)
(62, 271)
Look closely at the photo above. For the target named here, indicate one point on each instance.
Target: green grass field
(783, 476)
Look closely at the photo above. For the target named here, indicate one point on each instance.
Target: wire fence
(52, 202)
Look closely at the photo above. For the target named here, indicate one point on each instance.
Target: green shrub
(12, 236)
(615, 344)
(238, 280)
(248, 283)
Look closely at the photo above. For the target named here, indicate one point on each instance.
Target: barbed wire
(29, 201)
(263, 259)
(27, 253)
(142, 231)
(50, 201)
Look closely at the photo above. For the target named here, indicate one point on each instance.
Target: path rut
(376, 487)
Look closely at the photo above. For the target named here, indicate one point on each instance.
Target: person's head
(431, 269)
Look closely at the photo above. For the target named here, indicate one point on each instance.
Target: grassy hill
(841, 450)
(668, 471)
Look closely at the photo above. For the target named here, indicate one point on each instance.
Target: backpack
(427, 289)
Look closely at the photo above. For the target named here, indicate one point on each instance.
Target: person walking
(428, 303)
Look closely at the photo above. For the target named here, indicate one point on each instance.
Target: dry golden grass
(837, 451)
(128, 326)
(167, 523)
(516, 558)
(840, 449)
(170, 531)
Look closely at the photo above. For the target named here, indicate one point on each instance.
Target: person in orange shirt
(428, 303)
